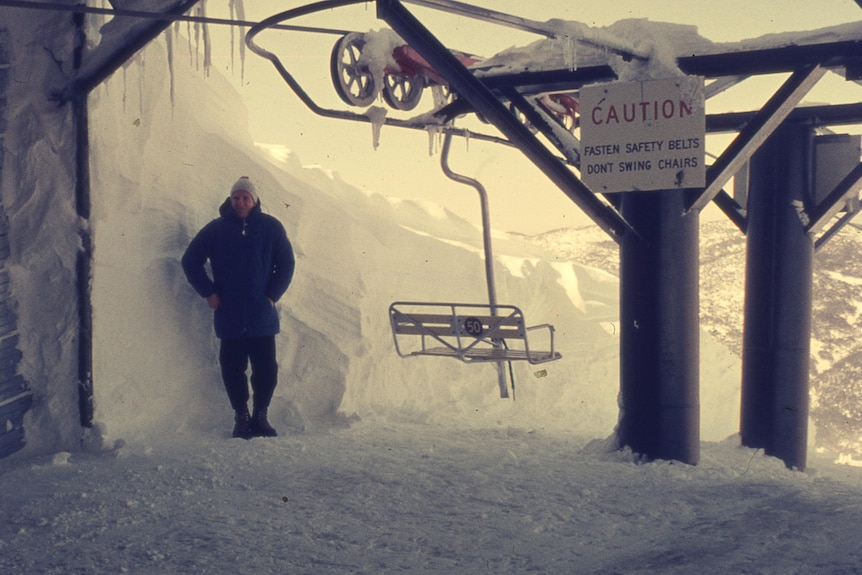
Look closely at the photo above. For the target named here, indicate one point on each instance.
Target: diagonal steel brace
(486, 103)
(836, 200)
(765, 122)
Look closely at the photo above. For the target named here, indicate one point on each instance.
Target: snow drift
(160, 168)
(178, 496)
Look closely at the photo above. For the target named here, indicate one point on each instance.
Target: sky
(407, 163)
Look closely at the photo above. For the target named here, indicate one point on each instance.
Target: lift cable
(118, 12)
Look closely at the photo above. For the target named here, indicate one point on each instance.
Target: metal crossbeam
(835, 201)
(731, 208)
(773, 60)
(830, 233)
(765, 122)
(542, 81)
(816, 116)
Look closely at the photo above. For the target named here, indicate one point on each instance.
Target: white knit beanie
(245, 184)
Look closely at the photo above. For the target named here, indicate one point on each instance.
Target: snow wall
(165, 149)
(38, 194)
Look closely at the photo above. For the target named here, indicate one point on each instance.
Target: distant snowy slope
(836, 393)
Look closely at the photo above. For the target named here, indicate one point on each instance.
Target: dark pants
(234, 357)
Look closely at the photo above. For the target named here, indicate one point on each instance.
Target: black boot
(242, 425)
(260, 427)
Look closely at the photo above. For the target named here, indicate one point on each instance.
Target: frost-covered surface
(661, 42)
(383, 464)
(422, 499)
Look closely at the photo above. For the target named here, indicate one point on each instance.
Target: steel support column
(84, 258)
(777, 325)
(659, 338)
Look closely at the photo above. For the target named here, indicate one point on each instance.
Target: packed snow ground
(378, 499)
(383, 464)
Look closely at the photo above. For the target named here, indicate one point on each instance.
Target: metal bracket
(764, 123)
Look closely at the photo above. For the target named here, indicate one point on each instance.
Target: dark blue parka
(252, 263)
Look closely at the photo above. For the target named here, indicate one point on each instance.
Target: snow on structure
(377, 115)
(155, 181)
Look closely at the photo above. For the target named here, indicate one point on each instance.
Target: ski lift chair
(469, 332)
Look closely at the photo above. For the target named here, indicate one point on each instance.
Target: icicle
(435, 137)
(141, 74)
(208, 52)
(202, 35)
(377, 115)
(570, 52)
(237, 8)
(241, 14)
(194, 42)
(232, 12)
(467, 139)
(177, 30)
(189, 36)
(198, 33)
(169, 41)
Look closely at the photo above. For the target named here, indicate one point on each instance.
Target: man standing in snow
(252, 265)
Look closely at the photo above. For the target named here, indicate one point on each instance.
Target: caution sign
(643, 135)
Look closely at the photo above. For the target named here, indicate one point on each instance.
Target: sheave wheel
(401, 92)
(353, 82)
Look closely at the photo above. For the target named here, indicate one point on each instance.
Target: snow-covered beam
(585, 35)
(124, 39)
